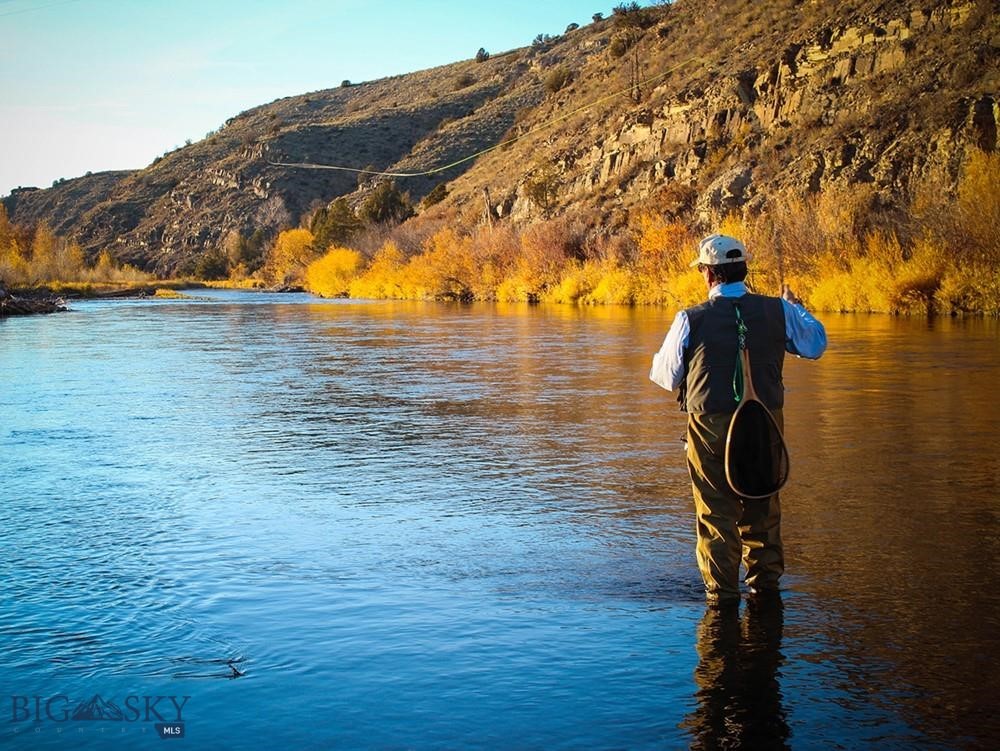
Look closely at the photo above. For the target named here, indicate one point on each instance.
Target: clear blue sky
(111, 84)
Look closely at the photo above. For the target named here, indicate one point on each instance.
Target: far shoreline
(52, 298)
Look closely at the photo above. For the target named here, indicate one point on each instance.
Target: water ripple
(475, 521)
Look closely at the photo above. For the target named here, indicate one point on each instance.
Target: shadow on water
(739, 702)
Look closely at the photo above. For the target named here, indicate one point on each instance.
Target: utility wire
(37, 7)
(542, 126)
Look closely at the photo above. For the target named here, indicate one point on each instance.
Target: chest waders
(756, 458)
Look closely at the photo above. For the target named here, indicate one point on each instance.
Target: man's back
(713, 349)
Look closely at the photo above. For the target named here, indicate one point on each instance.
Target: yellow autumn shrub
(978, 206)
(577, 281)
(331, 275)
(445, 270)
(383, 277)
(615, 285)
(288, 258)
(664, 250)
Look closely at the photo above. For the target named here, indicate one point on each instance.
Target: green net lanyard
(738, 375)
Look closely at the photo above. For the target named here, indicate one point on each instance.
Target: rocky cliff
(710, 107)
(792, 101)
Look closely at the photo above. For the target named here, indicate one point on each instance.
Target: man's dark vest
(710, 356)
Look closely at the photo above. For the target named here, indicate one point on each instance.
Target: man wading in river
(699, 357)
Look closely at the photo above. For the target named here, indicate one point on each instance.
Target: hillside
(189, 199)
(702, 108)
(781, 96)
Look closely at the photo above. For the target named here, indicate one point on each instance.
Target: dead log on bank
(11, 305)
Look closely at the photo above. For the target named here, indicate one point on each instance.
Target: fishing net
(756, 456)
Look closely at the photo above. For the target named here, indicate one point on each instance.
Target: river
(363, 524)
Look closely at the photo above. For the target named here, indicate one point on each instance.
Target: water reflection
(476, 521)
(894, 514)
(739, 703)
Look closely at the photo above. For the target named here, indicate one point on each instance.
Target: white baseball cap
(718, 249)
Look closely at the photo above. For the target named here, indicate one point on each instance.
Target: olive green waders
(730, 528)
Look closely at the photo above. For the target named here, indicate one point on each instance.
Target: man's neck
(732, 289)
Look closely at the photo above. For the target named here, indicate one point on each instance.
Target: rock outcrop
(867, 101)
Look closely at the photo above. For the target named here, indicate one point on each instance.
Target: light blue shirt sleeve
(668, 363)
(804, 335)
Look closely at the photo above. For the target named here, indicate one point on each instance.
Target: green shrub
(542, 188)
(245, 251)
(557, 79)
(212, 264)
(619, 45)
(335, 224)
(437, 195)
(385, 204)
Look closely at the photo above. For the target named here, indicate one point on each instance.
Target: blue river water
(277, 522)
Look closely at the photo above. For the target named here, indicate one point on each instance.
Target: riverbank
(52, 298)
(29, 304)
(114, 290)
(840, 250)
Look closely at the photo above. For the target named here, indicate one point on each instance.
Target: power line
(583, 108)
(37, 7)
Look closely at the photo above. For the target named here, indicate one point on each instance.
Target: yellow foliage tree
(291, 254)
(6, 229)
(664, 251)
(383, 279)
(978, 206)
(14, 267)
(578, 280)
(73, 261)
(445, 270)
(104, 267)
(495, 251)
(44, 255)
(884, 277)
(332, 274)
(615, 285)
(541, 263)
